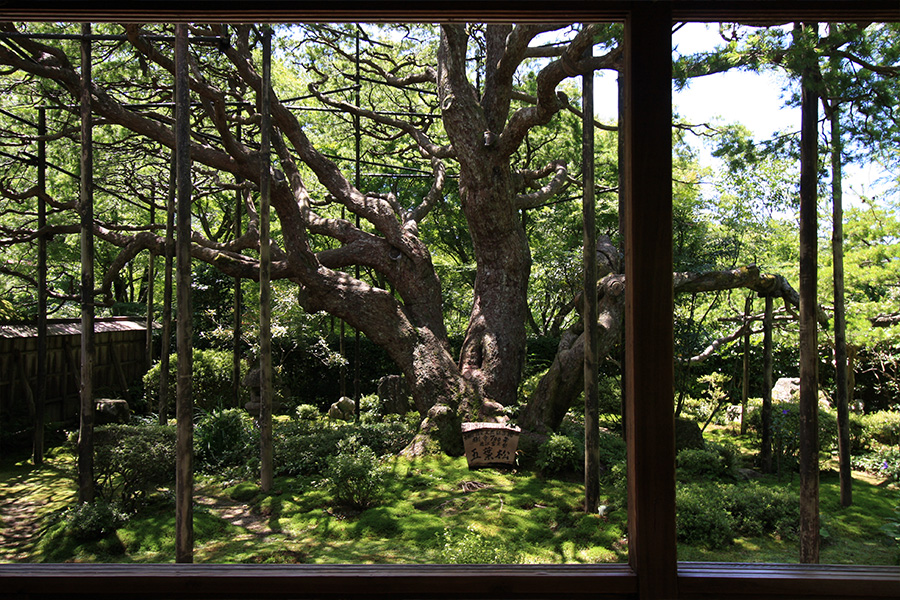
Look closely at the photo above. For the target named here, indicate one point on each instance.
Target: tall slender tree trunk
(765, 453)
(265, 266)
(184, 475)
(86, 208)
(809, 357)
(589, 253)
(40, 400)
(842, 396)
(166, 341)
(745, 371)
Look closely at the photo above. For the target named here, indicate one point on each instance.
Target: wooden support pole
(238, 299)
(765, 453)
(265, 266)
(41, 396)
(649, 300)
(151, 276)
(589, 253)
(745, 367)
(86, 211)
(842, 392)
(166, 341)
(184, 475)
(809, 354)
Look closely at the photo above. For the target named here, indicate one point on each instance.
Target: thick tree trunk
(493, 351)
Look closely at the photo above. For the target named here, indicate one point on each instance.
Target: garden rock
(343, 409)
(111, 410)
(786, 389)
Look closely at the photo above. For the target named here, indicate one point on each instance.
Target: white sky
(755, 100)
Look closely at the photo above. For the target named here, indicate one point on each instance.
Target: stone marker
(490, 444)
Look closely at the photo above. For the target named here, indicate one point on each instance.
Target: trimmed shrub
(560, 454)
(307, 412)
(131, 461)
(883, 427)
(304, 447)
(711, 515)
(211, 380)
(356, 476)
(701, 517)
(884, 462)
(225, 439)
(93, 520)
(758, 510)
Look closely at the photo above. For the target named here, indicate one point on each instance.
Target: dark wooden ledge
(316, 581)
(745, 581)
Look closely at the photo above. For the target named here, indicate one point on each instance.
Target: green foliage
(132, 461)
(758, 510)
(211, 380)
(712, 515)
(701, 517)
(225, 439)
(304, 447)
(611, 448)
(92, 520)
(892, 527)
(882, 426)
(884, 462)
(560, 454)
(786, 433)
(356, 476)
(717, 461)
(471, 547)
(307, 412)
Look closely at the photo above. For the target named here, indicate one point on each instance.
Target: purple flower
(784, 411)
(884, 467)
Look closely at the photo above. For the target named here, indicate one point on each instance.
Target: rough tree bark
(562, 384)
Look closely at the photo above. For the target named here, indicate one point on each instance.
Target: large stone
(343, 409)
(786, 389)
(111, 410)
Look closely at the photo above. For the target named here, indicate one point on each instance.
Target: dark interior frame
(653, 570)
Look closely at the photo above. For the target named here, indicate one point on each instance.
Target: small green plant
(93, 520)
(560, 454)
(884, 462)
(356, 476)
(471, 547)
(307, 412)
(891, 528)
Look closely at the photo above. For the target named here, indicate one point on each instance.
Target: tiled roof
(71, 327)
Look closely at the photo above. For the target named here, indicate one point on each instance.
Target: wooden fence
(120, 362)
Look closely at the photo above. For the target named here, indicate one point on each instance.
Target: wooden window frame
(653, 571)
